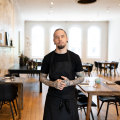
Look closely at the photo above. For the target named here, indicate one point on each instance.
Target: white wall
(66, 25)
(10, 22)
(6, 25)
(114, 40)
(18, 33)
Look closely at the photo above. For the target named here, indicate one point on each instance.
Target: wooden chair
(96, 66)
(88, 69)
(100, 67)
(113, 66)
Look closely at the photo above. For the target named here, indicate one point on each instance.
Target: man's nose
(60, 38)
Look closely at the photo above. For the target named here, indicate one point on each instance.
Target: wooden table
(19, 83)
(24, 70)
(101, 89)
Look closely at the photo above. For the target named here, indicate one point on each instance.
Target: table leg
(40, 84)
(40, 87)
(114, 71)
(89, 106)
(104, 69)
(98, 103)
(20, 99)
(110, 73)
(88, 71)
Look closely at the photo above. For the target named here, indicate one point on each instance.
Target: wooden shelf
(7, 46)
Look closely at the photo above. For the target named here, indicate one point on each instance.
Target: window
(94, 37)
(37, 42)
(74, 42)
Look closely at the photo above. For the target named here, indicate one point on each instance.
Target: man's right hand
(59, 84)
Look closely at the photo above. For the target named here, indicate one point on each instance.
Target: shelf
(7, 46)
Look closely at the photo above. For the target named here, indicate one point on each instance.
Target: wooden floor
(34, 103)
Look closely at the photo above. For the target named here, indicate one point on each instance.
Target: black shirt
(75, 59)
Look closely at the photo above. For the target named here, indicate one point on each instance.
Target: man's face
(60, 39)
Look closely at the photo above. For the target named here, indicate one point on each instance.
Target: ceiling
(68, 10)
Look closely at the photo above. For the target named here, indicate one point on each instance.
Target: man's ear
(67, 39)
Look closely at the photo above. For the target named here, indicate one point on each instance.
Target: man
(62, 66)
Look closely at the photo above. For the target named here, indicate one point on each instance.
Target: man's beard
(61, 47)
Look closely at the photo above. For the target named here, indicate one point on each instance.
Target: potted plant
(23, 60)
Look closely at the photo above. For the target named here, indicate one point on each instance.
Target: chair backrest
(96, 63)
(39, 63)
(8, 92)
(100, 65)
(90, 67)
(116, 65)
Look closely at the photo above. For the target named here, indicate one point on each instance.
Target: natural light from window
(93, 46)
(74, 42)
(37, 42)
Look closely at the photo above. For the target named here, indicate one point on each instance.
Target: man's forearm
(43, 79)
(79, 79)
(76, 81)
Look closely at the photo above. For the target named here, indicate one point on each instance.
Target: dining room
(26, 32)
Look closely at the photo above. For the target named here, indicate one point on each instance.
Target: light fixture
(86, 1)
(51, 3)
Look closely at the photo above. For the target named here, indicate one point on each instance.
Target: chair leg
(116, 108)
(1, 103)
(11, 110)
(14, 107)
(100, 71)
(117, 72)
(79, 108)
(84, 110)
(92, 114)
(16, 103)
(100, 108)
(107, 111)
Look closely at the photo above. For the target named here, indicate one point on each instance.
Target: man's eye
(56, 37)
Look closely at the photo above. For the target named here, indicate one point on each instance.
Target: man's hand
(66, 81)
(59, 84)
(78, 80)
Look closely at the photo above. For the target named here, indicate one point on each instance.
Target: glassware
(12, 77)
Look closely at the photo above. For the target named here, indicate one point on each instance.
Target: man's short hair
(60, 29)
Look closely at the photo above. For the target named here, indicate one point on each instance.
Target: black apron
(61, 104)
